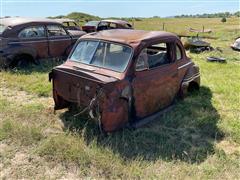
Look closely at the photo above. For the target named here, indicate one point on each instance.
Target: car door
(58, 39)
(34, 38)
(156, 75)
(181, 60)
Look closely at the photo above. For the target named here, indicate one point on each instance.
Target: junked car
(123, 77)
(93, 26)
(69, 24)
(24, 40)
(236, 45)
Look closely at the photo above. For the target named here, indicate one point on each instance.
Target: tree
(223, 20)
(237, 13)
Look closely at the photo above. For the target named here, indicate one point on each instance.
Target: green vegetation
(79, 17)
(199, 138)
(223, 20)
(213, 15)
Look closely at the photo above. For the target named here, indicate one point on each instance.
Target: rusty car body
(69, 24)
(124, 76)
(93, 26)
(25, 39)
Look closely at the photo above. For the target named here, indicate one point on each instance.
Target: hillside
(78, 16)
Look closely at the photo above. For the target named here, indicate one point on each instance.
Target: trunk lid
(76, 33)
(89, 29)
(77, 85)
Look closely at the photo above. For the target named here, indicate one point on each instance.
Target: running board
(150, 118)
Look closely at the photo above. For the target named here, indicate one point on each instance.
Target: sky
(115, 8)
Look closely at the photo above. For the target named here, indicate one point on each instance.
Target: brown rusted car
(69, 24)
(24, 40)
(124, 76)
(93, 26)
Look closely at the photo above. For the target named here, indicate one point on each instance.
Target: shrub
(223, 20)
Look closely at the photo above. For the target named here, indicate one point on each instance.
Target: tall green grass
(199, 138)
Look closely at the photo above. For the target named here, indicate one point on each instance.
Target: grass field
(199, 138)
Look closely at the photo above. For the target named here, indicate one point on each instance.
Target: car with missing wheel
(106, 24)
(24, 40)
(124, 77)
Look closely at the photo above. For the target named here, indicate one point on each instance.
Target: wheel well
(193, 86)
(25, 56)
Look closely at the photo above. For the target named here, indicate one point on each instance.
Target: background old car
(124, 76)
(26, 40)
(69, 24)
(93, 26)
(236, 45)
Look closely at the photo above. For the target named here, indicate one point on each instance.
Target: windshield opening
(2, 28)
(102, 54)
(92, 23)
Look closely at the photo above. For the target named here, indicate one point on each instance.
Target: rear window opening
(92, 23)
(102, 54)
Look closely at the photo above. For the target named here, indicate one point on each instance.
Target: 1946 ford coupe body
(124, 76)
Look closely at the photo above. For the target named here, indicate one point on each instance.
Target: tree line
(213, 15)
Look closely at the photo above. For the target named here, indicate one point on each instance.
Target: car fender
(116, 107)
(19, 50)
(192, 76)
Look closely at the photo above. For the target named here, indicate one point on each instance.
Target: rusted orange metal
(35, 44)
(121, 98)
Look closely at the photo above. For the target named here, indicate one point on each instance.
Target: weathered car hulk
(69, 24)
(24, 40)
(93, 26)
(124, 76)
(236, 45)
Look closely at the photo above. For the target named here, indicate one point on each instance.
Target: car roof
(129, 36)
(92, 21)
(15, 21)
(117, 21)
(62, 20)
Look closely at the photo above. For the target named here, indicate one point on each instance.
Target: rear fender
(192, 76)
(59, 102)
(116, 107)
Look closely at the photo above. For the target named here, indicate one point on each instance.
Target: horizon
(105, 9)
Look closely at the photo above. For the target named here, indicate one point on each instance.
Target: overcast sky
(118, 8)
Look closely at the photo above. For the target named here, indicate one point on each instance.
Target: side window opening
(153, 56)
(55, 30)
(178, 53)
(102, 26)
(32, 32)
(128, 26)
(72, 24)
(65, 24)
(112, 26)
